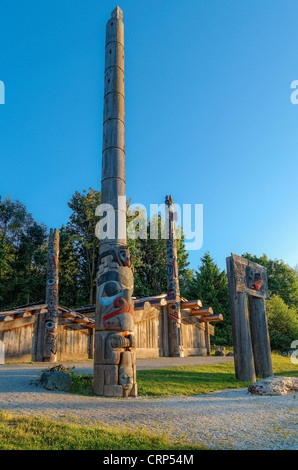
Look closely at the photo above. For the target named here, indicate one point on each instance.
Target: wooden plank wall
(147, 338)
(18, 343)
(194, 340)
(73, 343)
(23, 340)
(151, 336)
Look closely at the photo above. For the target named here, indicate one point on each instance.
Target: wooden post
(260, 337)
(114, 347)
(51, 317)
(165, 330)
(90, 343)
(174, 308)
(243, 353)
(207, 339)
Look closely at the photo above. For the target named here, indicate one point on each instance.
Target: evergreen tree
(209, 284)
(150, 261)
(23, 257)
(82, 248)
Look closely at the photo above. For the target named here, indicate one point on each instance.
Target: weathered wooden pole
(51, 318)
(114, 348)
(243, 352)
(260, 337)
(174, 307)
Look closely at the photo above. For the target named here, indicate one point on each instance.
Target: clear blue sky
(208, 112)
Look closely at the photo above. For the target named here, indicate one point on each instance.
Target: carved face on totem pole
(115, 288)
(126, 375)
(253, 279)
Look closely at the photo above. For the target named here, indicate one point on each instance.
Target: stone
(230, 354)
(220, 352)
(56, 381)
(276, 386)
(60, 367)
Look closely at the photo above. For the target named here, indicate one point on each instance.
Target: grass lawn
(41, 434)
(22, 433)
(201, 379)
(190, 380)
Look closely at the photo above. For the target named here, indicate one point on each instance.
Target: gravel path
(229, 419)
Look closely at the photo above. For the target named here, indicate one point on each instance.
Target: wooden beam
(8, 318)
(81, 320)
(202, 311)
(27, 314)
(139, 304)
(191, 304)
(212, 318)
(36, 308)
(15, 324)
(69, 315)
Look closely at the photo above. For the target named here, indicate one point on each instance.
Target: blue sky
(208, 112)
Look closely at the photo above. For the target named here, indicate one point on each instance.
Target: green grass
(23, 433)
(196, 380)
(189, 380)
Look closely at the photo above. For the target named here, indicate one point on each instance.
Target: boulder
(274, 386)
(220, 352)
(56, 380)
(60, 367)
(230, 353)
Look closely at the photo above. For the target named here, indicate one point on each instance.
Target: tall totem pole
(174, 311)
(51, 319)
(114, 351)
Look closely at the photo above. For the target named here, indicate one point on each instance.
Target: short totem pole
(51, 319)
(249, 320)
(114, 351)
(174, 311)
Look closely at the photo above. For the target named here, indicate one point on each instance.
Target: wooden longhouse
(22, 330)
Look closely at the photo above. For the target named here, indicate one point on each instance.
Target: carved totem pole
(51, 319)
(248, 289)
(174, 311)
(114, 351)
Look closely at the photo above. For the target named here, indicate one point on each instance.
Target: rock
(56, 380)
(220, 352)
(274, 386)
(60, 367)
(230, 353)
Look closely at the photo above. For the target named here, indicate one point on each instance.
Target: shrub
(282, 323)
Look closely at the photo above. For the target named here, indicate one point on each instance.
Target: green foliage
(209, 284)
(150, 264)
(79, 249)
(282, 323)
(23, 255)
